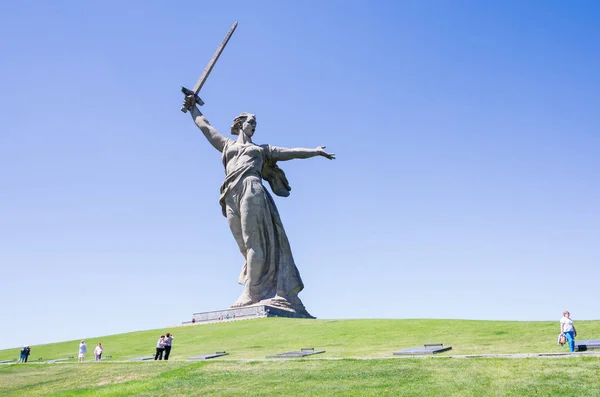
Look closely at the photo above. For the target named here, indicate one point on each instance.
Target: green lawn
(358, 361)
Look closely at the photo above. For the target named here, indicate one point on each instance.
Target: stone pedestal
(245, 312)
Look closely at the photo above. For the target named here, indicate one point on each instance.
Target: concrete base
(145, 358)
(430, 348)
(245, 312)
(309, 351)
(208, 356)
(584, 345)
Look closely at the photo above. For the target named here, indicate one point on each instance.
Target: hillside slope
(364, 338)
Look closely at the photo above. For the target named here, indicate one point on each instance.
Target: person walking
(27, 352)
(168, 343)
(160, 348)
(82, 351)
(568, 329)
(98, 352)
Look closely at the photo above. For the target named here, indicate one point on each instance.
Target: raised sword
(207, 70)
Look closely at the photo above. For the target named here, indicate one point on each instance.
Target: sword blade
(213, 60)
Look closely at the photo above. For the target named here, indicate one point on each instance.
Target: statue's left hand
(322, 152)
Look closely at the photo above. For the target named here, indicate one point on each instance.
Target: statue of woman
(269, 274)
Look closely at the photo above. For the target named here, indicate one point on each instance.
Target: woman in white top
(568, 329)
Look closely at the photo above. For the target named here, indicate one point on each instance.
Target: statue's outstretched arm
(211, 134)
(283, 154)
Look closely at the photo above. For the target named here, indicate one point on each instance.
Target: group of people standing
(163, 346)
(83, 350)
(24, 355)
(163, 349)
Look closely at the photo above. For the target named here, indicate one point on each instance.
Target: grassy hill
(358, 361)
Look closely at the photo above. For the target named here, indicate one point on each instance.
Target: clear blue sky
(466, 185)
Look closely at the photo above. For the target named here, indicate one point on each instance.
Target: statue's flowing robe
(269, 267)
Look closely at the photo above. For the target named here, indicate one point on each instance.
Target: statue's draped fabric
(269, 267)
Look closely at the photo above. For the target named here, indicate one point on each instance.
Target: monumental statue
(269, 274)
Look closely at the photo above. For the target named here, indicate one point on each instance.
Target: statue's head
(246, 123)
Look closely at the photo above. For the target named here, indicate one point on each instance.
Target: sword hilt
(187, 92)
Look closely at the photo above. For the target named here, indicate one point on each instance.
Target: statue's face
(249, 125)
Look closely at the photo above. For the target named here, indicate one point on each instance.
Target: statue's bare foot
(243, 300)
